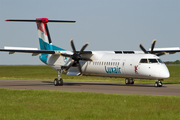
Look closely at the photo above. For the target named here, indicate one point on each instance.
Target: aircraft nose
(165, 73)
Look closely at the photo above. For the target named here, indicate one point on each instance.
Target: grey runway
(115, 88)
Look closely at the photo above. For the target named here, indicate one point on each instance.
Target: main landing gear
(158, 84)
(59, 80)
(129, 81)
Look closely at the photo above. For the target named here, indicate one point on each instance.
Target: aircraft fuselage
(107, 64)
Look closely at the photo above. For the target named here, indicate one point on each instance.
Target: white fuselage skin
(109, 64)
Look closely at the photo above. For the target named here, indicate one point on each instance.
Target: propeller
(152, 49)
(76, 57)
(142, 48)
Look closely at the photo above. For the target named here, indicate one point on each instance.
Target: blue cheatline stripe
(43, 58)
(47, 46)
(43, 45)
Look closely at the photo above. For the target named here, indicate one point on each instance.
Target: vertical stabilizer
(43, 34)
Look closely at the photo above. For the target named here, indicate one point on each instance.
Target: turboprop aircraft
(123, 64)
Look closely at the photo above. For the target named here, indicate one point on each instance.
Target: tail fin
(43, 32)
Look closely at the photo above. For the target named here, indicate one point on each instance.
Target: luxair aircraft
(120, 64)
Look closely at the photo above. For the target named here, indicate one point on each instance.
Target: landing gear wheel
(158, 84)
(60, 82)
(56, 83)
(129, 81)
(126, 81)
(132, 82)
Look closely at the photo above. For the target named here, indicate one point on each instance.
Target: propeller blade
(153, 44)
(161, 53)
(72, 62)
(82, 49)
(142, 48)
(72, 45)
(79, 67)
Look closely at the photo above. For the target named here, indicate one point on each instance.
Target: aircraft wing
(11, 51)
(35, 51)
(171, 50)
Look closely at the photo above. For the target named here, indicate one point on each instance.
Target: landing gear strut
(59, 80)
(158, 84)
(129, 81)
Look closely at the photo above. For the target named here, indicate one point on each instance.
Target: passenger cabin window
(143, 61)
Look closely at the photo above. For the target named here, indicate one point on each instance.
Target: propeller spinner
(76, 57)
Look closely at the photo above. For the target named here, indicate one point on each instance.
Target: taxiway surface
(116, 88)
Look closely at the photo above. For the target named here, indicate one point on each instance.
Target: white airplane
(123, 64)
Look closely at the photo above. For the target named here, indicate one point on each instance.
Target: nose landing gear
(158, 84)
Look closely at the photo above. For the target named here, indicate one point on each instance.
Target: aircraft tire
(56, 82)
(60, 82)
(132, 82)
(127, 81)
(156, 84)
(160, 84)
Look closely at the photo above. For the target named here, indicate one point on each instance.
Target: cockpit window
(160, 61)
(152, 61)
(143, 61)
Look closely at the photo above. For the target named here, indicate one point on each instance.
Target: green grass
(174, 74)
(38, 104)
(42, 72)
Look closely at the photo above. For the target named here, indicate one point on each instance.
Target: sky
(108, 25)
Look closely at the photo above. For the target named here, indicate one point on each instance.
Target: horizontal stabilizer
(44, 20)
